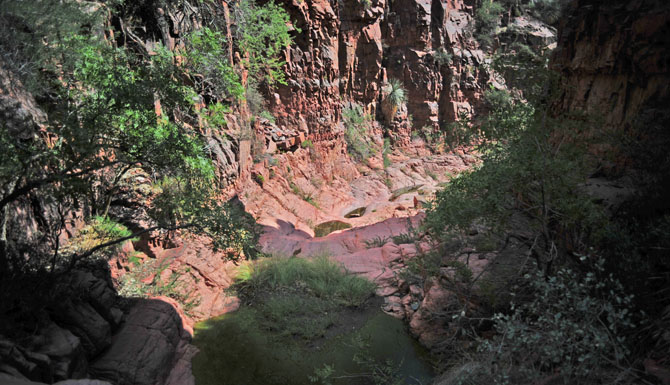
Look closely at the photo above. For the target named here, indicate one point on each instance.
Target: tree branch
(74, 257)
(33, 184)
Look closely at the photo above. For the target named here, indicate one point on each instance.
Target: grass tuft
(319, 277)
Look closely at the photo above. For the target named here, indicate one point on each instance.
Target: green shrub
(442, 57)
(206, 54)
(310, 199)
(412, 235)
(356, 124)
(377, 241)
(307, 197)
(404, 238)
(132, 284)
(525, 173)
(572, 326)
(365, 3)
(261, 34)
(487, 18)
(265, 114)
(324, 278)
(260, 179)
(255, 101)
(423, 265)
(97, 231)
(307, 144)
(397, 94)
(386, 150)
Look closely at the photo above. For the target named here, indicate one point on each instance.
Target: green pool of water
(356, 213)
(325, 228)
(234, 351)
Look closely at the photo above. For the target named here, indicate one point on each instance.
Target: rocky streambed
(351, 345)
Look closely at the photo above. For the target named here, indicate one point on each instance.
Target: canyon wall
(614, 63)
(348, 49)
(613, 58)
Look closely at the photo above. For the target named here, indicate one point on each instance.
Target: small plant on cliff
(356, 123)
(138, 283)
(386, 150)
(260, 179)
(377, 241)
(397, 94)
(367, 4)
(442, 57)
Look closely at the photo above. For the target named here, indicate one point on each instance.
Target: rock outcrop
(87, 335)
(350, 50)
(615, 66)
(613, 58)
(144, 349)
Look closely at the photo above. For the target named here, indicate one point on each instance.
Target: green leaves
(572, 325)
(207, 59)
(397, 94)
(112, 111)
(262, 34)
(487, 19)
(356, 125)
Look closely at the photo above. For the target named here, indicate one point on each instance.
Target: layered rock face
(347, 50)
(615, 66)
(614, 58)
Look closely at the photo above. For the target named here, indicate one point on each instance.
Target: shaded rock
(86, 323)
(386, 291)
(10, 380)
(22, 363)
(99, 294)
(68, 358)
(426, 323)
(143, 351)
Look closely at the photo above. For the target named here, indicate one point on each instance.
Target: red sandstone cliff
(347, 51)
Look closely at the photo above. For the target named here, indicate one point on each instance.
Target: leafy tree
(262, 33)
(566, 329)
(487, 18)
(207, 60)
(527, 175)
(103, 121)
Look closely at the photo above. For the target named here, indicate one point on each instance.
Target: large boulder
(143, 351)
